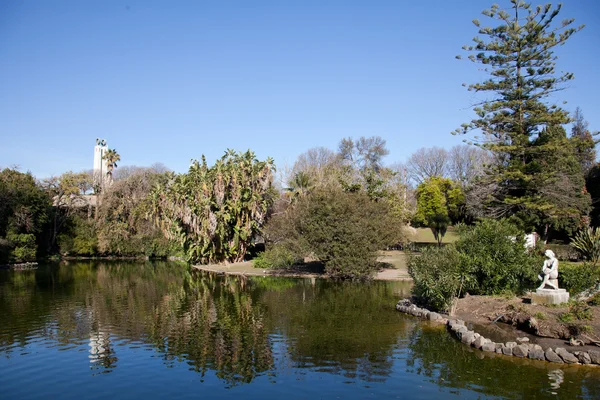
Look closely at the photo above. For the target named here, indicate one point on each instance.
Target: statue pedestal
(550, 296)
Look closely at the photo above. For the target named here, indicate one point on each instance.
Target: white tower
(100, 168)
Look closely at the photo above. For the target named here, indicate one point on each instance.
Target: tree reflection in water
(229, 325)
(238, 329)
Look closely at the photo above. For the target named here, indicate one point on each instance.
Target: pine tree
(517, 52)
(584, 142)
(560, 201)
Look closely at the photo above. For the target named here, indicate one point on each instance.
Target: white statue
(550, 272)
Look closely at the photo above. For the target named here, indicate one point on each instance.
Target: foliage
(356, 166)
(587, 242)
(124, 224)
(561, 200)
(362, 167)
(494, 252)
(320, 164)
(577, 311)
(300, 185)
(24, 210)
(593, 186)
(23, 247)
(488, 259)
(563, 252)
(577, 277)
(215, 212)
(540, 316)
(534, 178)
(80, 239)
(277, 256)
(68, 195)
(584, 142)
(343, 230)
(437, 274)
(111, 157)
(439, 202)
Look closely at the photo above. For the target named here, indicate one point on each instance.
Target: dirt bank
(393, 268)
(500, 319)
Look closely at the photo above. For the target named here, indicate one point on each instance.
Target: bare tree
(365, 153)
(320, 164)
(426, 163)
(466, 163)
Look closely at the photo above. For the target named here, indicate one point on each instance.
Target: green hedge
(487, 259)
(577, 277)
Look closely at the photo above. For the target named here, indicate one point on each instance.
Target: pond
(163, 330)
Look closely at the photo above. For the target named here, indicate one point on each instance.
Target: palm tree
(300, 185)
(111, 157)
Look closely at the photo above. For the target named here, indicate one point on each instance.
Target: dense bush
(23, 246)
(343, 230)
(216, 212)
(277, 256)
(494, 254)
(563, 252)
(437, 276)
(124, 226)
(80, 239)
(24, 216)
(577, 277)
(489, 258)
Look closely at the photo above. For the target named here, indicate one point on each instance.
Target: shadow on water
(256, 329)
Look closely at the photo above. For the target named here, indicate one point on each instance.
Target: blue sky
(169, 81)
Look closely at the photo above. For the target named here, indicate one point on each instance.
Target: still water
(162, 330)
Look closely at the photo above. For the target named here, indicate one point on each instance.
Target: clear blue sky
(168, 81)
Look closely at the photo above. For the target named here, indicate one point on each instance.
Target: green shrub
(275, 257)
(437, 276)
(577, 278)
(494, 254)
(488, 259)
(540, 315)
(343, 230)
(80, 240)
(23, 245)
(563, 252)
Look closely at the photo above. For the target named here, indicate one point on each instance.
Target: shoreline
(247, 269)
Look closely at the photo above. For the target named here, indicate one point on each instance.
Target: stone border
(522, 349)
(20, 266)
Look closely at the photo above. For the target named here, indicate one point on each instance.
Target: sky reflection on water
(88, 329)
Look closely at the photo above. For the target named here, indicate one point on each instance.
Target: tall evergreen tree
(584, 142)
(561, 200)
(593, 185)
(517, 52)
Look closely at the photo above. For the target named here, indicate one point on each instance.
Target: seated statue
(550, 271)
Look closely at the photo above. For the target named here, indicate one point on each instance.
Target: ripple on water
(129, 330)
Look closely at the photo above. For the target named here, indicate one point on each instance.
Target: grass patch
(579, 311)
(540, 315)
(424, 235)
(394, 259)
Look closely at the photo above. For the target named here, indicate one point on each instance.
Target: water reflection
(255, 330)
(447, 363)
(231, 325)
